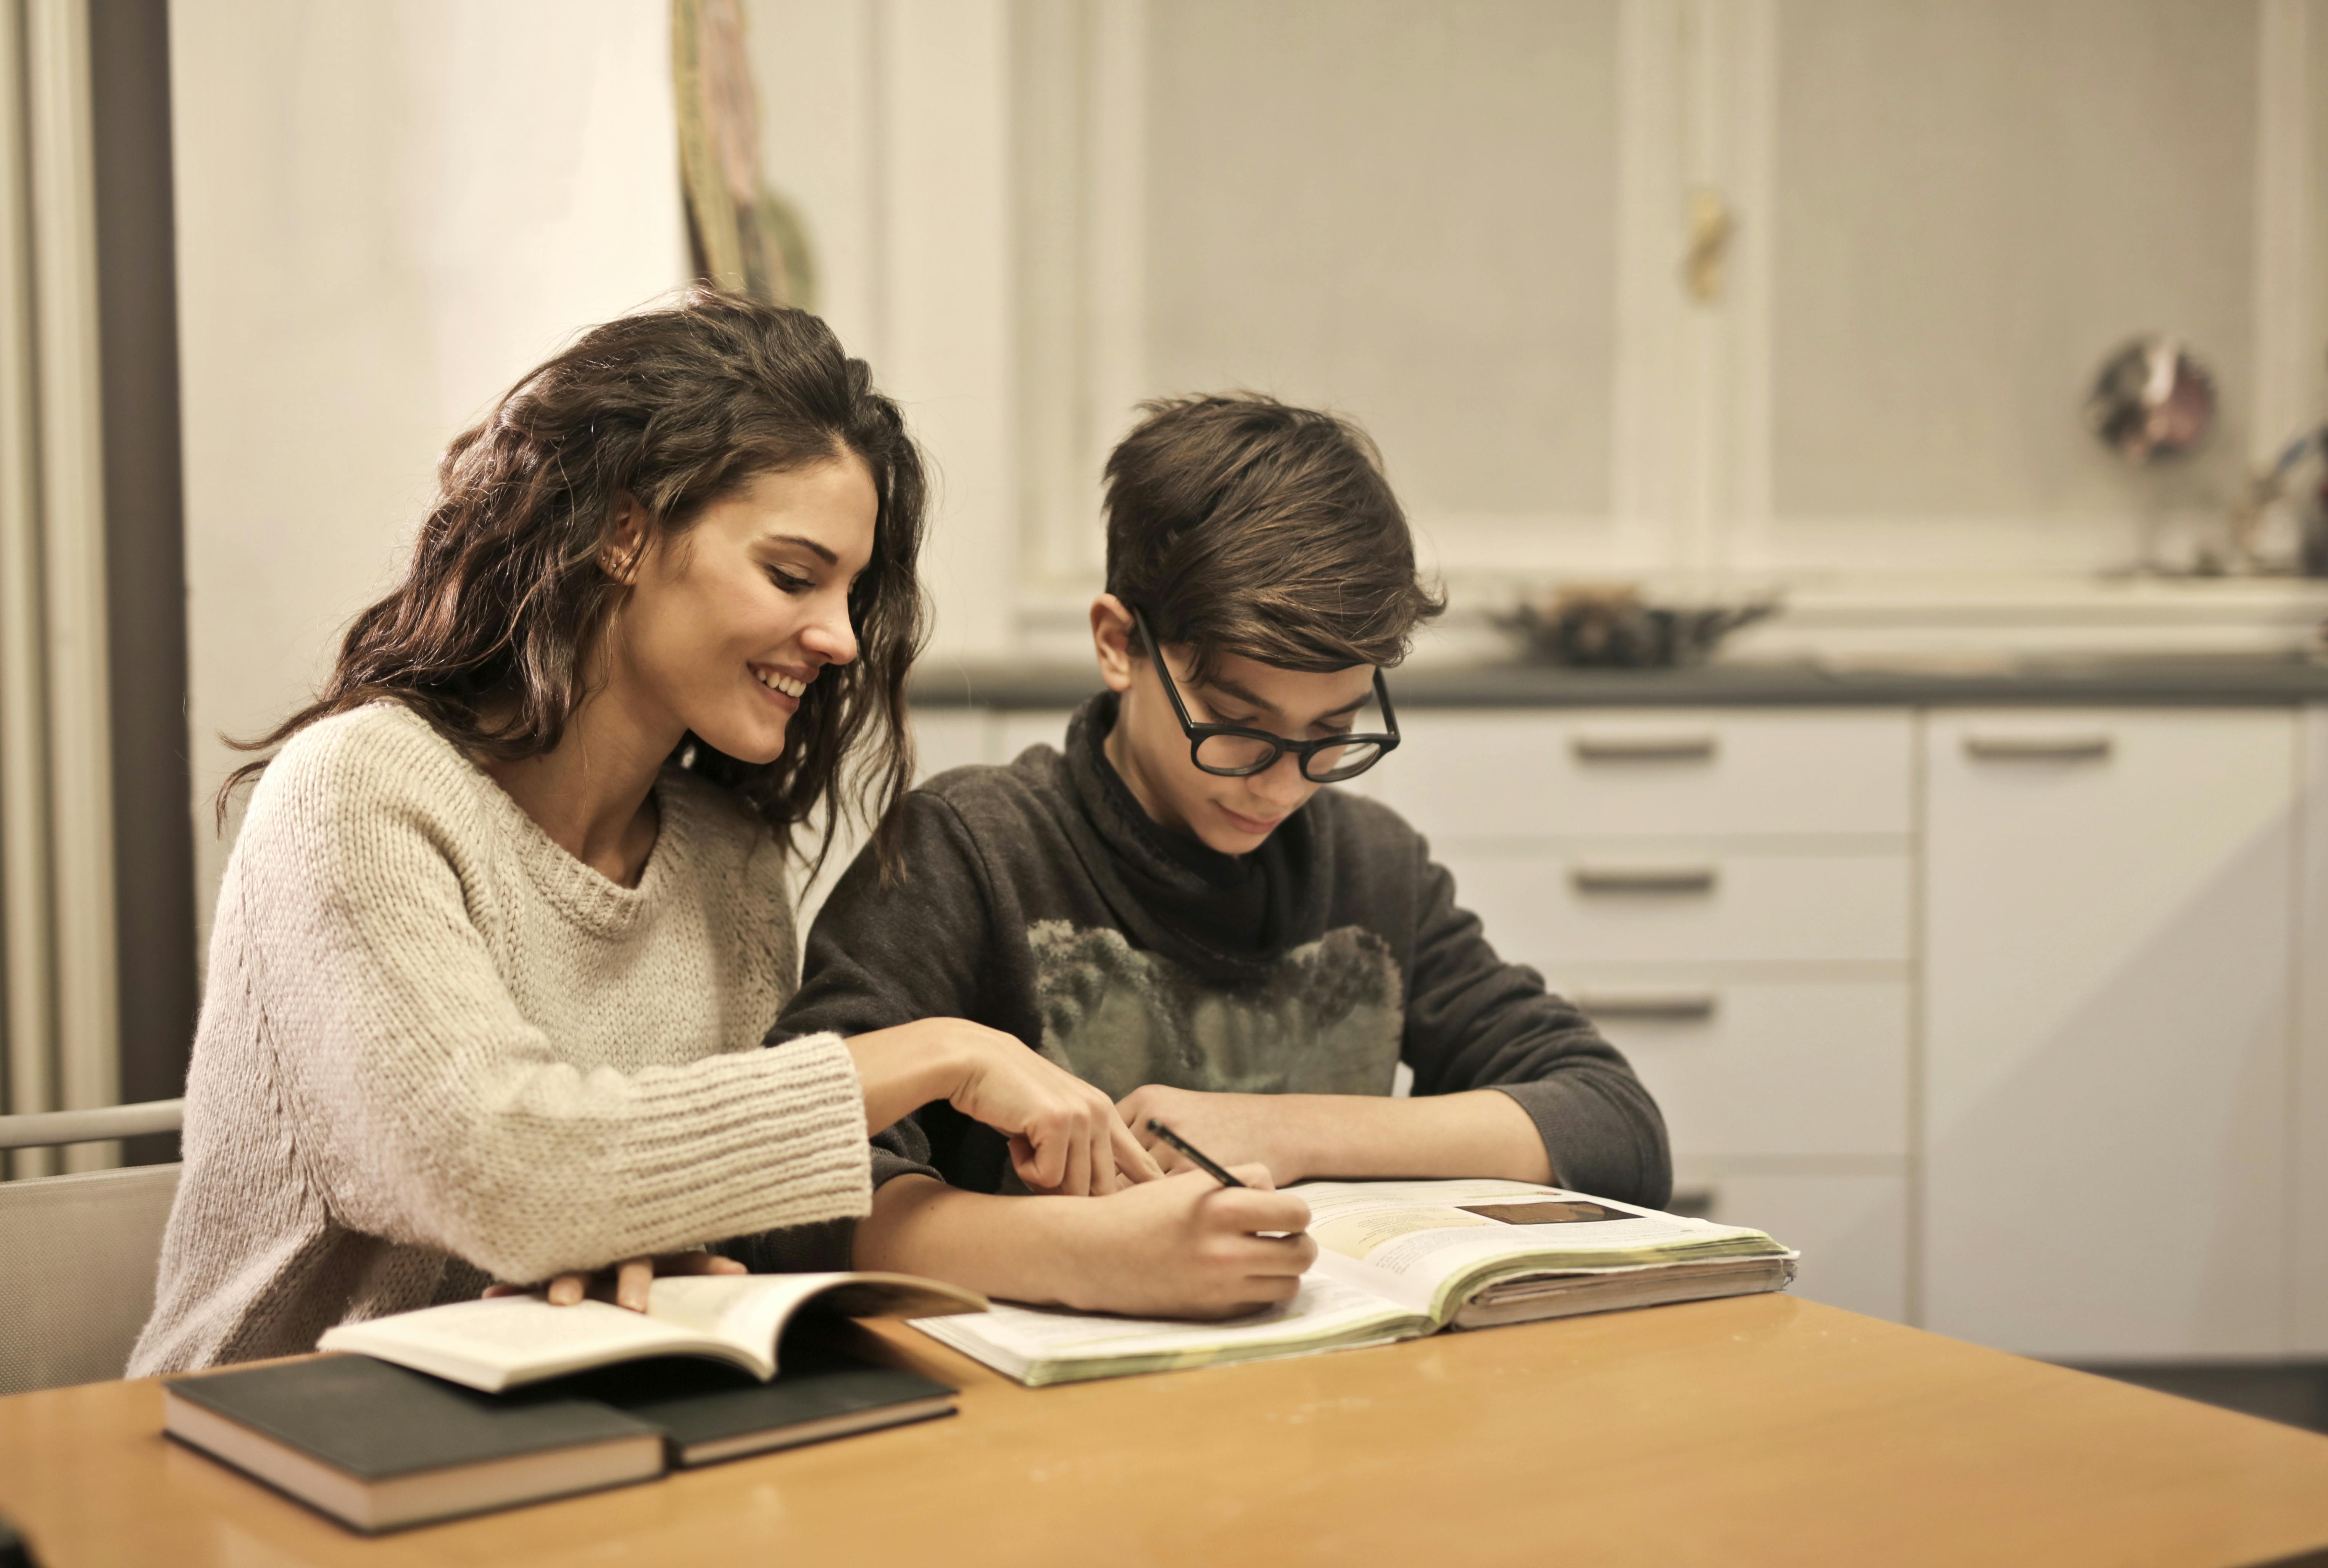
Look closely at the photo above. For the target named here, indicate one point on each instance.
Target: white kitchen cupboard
(1729, 893)
(2308, 1103)
(2107, 976)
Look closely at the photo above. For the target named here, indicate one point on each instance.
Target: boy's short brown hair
(1241, 525)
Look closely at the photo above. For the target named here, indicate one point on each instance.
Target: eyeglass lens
(1238, 753)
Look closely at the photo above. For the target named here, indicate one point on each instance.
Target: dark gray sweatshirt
(1039, 898)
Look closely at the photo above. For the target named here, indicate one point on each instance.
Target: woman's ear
(627, 546)
(1111, 624)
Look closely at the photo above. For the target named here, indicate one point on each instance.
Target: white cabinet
(2107, 971)
(1656, 772)
(2308, 1319)
(1852, 1231)
(1730, 894)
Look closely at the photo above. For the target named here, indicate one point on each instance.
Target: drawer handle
(1643, 879)
(2037, 747)
(1643, 748)
(1649, 1005)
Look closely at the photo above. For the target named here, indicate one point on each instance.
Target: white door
(2107, 1029)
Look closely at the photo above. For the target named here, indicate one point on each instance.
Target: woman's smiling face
(728, 622)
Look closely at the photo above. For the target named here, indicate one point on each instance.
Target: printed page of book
(1429, 1244)
(749, 1311)
(1038, 1345)
(512, 1340)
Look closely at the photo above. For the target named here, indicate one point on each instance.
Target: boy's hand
(1187, 1247)
(1234, 1129)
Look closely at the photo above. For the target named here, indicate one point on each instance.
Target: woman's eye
(790, 582)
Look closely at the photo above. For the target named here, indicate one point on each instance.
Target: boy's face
(1150, 750)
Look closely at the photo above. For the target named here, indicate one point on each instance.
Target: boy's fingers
(1257, 1210)
(564, 1290)
(1255, 1175)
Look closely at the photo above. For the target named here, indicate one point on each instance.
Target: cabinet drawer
(1714, 773)
(1762, 1067)
(1852, 1231)
(1560, 909)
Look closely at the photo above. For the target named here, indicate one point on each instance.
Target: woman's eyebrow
(823, 554)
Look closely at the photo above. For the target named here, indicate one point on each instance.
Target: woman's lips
(785, 703)
(773, 682)
(1255, 825)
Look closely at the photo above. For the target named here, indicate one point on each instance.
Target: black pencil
(1205, 1161)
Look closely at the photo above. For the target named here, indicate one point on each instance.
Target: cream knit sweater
(437, 1050)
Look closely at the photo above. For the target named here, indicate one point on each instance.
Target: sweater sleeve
(426, 1109)
(917, 948)
(1475, 1022)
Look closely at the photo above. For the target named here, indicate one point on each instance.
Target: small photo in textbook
(1576, 1211)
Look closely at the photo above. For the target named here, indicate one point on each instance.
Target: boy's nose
(1282, 782)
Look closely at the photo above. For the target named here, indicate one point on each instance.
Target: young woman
(507, 917)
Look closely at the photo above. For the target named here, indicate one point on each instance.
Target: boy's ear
(1111, 624)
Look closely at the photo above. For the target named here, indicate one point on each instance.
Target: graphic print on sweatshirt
(1326, 1018)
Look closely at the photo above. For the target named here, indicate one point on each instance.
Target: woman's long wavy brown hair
(489, 634)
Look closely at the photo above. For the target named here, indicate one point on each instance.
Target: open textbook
(1397, 1260)
(507, 1341)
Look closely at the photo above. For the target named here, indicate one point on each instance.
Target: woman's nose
(830, 636)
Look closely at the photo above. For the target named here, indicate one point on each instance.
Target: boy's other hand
(1234, 1129)
(1189, 1247)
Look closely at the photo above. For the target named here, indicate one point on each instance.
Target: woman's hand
(625, 1284)
(1065, 1137)
(1187, 1247)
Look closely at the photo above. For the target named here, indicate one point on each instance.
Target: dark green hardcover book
(379, 1447)
(714, 1412)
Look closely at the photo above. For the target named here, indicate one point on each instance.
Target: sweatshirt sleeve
(426, 1109)
(1475, 1022)
(916, 948)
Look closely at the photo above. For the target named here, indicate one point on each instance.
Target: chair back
(78, 1259)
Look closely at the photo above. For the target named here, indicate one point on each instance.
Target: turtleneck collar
(1231, 907)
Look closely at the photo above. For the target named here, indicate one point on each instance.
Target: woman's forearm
(903, 1069)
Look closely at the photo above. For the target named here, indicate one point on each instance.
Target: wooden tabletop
(1763, 1429)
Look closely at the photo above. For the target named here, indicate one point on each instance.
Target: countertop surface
(2163, 681)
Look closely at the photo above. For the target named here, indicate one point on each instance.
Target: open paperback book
(512, 1340)
(1397, 1260)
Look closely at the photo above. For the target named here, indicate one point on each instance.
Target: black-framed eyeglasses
(1232, 752)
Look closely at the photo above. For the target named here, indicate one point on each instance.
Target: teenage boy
(1176, 909)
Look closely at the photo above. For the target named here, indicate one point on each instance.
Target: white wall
(386, 214)
(888, 123)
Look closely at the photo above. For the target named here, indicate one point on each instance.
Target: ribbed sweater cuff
(749, 1142)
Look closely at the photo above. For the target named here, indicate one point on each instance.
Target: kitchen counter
(2186, 681)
